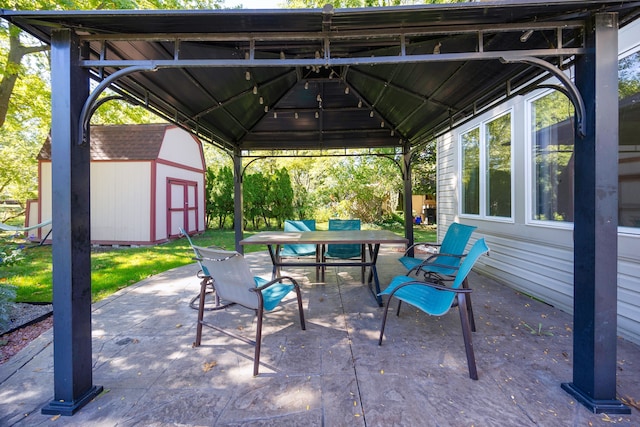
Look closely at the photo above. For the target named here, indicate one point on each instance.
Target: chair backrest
(344, 251)
(231, 275)
(204, 269)
(454, 243)
(479, 248)
(299, 250)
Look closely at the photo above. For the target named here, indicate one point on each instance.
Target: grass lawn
(114, 269)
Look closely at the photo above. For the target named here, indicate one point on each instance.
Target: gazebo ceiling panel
(419, 70)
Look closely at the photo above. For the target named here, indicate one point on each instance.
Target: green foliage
(25, 112)
(10, 251)
(219, 193)
(7, 298)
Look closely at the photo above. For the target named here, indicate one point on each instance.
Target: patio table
(372, 239)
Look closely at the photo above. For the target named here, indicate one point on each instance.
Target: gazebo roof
(323, 78)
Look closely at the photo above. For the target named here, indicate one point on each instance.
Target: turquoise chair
(234, 283)
(292, 251)
(436, 299)
(341, 251)
(446, 260)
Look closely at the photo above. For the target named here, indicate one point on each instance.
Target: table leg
(373, 273)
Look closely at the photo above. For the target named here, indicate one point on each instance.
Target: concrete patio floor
(332, 374)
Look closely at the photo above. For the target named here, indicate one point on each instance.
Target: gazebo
(394, 78)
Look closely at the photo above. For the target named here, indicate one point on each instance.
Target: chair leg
(256, 357)
(203, 293)
(472, 321)
(299, 296)
(466, 333)
(363, 258)
(398, 310)
(384, 320)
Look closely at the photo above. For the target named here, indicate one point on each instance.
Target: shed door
(182, 204)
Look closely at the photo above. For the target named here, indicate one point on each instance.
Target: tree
(25, 92)
(219, 194)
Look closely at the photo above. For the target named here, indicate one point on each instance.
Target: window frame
(484, 171)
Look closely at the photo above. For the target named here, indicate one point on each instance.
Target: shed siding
(182, 148)
(533, 257)
(128, 219)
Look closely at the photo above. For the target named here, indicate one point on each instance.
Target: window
(629, 147)
(552, 141)
(552, 149)
(486, 168)
(470, 143)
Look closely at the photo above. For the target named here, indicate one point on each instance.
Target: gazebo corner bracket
(571, 89)
(92, 103)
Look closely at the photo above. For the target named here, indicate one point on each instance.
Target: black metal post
(71, 251)
(596, 223)
(408, 195)
(238, 214)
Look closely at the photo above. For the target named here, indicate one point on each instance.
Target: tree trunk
(12, 68)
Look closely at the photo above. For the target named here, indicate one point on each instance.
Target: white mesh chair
(233, 282)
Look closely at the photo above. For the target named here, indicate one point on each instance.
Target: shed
(146, 182)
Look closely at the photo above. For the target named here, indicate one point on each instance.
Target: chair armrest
(434, 286)
(274, 281)
(430, 244)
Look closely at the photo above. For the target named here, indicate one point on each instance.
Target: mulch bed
(12, 342)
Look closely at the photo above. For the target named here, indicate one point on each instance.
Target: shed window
(486, 168)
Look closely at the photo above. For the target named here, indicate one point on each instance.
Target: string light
(247, 75)
(371, 113)
(295, 115)
(275, 115)
(255, 90)
(306, 85)
(360, 103)
(346, 90)
(317, 115)
(266, 108)
(261, 100)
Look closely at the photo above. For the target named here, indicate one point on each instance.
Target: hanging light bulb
(306, 85)
(266, 108)
(381, 124)
(275, 115)
(318, 98)
(295, 115)
(255, 89)
(317, 115)
(371, 113)
(360, 103)
(247, 75)
(261, 100)
(282, 55)
(346, 90)
(392, 132)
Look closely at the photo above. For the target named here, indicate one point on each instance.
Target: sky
(255, 4)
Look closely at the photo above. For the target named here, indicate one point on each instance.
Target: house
(146, 182)
(521, 196)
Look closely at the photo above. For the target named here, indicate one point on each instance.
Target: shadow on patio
(333, 374)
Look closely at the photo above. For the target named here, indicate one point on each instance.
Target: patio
(333, 374)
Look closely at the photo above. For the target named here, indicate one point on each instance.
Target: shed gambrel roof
(121, 142)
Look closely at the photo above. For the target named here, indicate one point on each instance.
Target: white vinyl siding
(533, 256)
